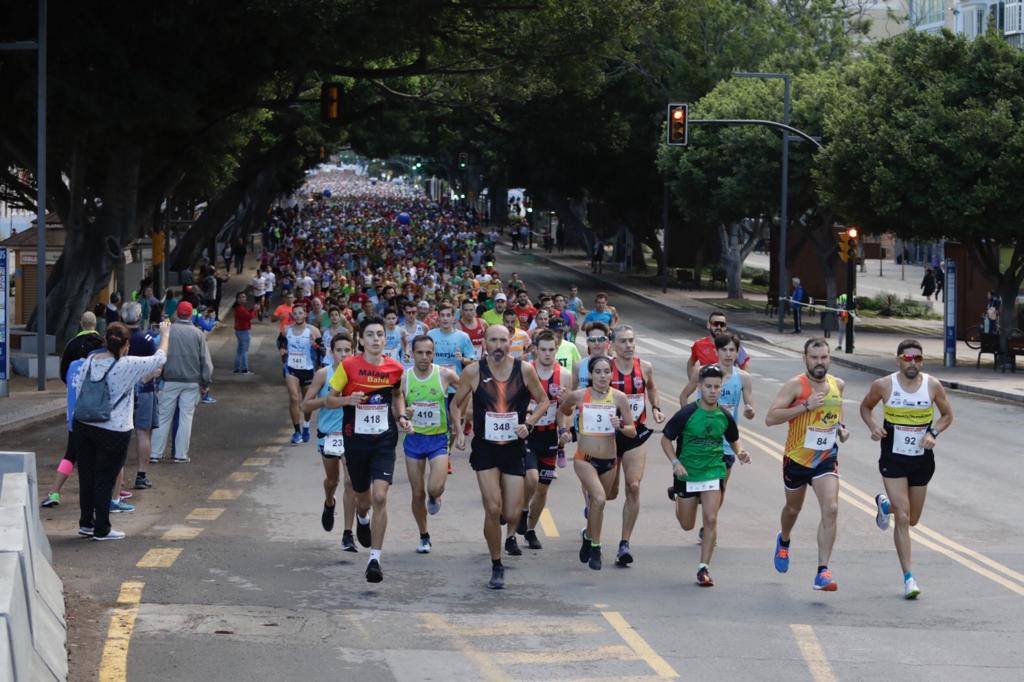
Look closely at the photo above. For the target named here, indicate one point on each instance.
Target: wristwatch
(529, 428)
(933, 432)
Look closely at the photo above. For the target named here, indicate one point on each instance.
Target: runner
(257, 283)
(525, 312)
(603, 413)
(495, 314)
(425, 388)
(693, 442)
(635, 378)
(520, 347)
(567, 354)
(473, 326)
(331, 441)
(395, 341)
(283, 313)
(812, 403)
(371, 433)
(907, 434)
(542, 446)
(602, 312)
(703, 353)
(299, 346)
(598, 338)
(501, 388)
(452, 347)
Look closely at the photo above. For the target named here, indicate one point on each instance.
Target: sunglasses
(911, 358)
(719, 325)
(596, 339)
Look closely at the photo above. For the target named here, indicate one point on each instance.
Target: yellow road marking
(225, 494)
(516, 629)
(161, 557)
(547, 522)
(256, 462)
(616, 652)
(182, 533)
(242, 476)
(814, 655)
(114, 662)
(482, 660)
(205, 514)
(639, 645)
(920, 533)
(272, 449)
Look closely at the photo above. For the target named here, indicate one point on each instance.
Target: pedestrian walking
(940, 282)
(243, 331)
(928, 284)
(796, 302)
(238, 253)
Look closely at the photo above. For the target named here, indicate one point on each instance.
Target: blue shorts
(419, 446)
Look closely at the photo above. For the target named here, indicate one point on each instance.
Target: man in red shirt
(703, 352)
(243, 327)
(525, 312)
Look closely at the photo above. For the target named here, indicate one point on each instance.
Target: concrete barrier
(25, 462)
(16, 650)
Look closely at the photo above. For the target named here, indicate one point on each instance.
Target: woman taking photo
(102, 446)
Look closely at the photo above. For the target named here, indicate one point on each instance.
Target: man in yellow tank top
(812, 403)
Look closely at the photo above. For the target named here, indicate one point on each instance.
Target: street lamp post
(784, 200)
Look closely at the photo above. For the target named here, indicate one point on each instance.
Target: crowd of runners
(397, 330)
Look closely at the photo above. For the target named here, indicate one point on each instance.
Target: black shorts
(917, 470)
(305, 376)
(368, 462)
(624, 444)
(509, 459)
(542, 453)
(729, 460)
(679, 488)
(795, 476)
(601, 466)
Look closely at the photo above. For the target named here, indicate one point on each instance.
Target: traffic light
(330, 103)
(463, 160)
(848, 244)
(678, 124)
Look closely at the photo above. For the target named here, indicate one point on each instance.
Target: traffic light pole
(851, 287)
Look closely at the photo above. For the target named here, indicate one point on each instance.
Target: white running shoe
(424, 546)
(910, 589)
(112, 535)
(883, 507)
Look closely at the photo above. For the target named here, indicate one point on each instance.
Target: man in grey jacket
(188, 367)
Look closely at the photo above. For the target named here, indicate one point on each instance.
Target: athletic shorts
(729, 460)
(624, 445)
(146, 413)
(507, 458)
(305, 376)
(917, 470)
(420, 446)
(602, 466)
(679, 489)
(368, 462)
(795, 476)
(542, 453)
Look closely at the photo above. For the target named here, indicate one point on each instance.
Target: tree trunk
(736, 240)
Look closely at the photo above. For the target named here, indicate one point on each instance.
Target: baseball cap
(423, 305)
(500, 297)
(556, 324)
(184, 309)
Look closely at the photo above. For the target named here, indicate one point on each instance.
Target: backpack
(93, 403)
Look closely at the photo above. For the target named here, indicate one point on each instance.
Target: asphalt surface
(262, 592)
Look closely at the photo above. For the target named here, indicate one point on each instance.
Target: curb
(34, 418)
(754, 336)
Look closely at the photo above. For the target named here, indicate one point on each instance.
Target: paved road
(254, 589)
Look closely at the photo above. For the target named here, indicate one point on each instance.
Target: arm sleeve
(674, 427)
(732, 432)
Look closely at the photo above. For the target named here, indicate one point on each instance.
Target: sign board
(949, 354)
(127, 253)
(4, 331)
(31, 258)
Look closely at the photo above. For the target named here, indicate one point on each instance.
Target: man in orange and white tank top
(473, 326)
(812, 403)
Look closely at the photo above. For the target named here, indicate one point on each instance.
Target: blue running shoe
(305, 434)
(883, 507)
(823, 581)
(781, 555)
(296, 438)
(117, 507)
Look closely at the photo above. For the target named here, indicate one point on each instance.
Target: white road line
(682, 340)
(675, 351)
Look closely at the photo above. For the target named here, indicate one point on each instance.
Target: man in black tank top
(502, 388)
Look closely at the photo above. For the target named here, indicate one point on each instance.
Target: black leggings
(101, 454)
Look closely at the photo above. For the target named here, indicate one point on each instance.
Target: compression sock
(296, 427)
(908, 576)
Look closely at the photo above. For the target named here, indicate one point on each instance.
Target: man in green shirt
(692, 440)
(567, 354)
(493, 316)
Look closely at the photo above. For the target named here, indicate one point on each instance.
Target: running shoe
(374, 574)
(560, 460)
(595, 558)
(181, 460)
(883, 507)
(531, 540)
(305, 434)
(154, 460)
(672, 493)
(824, 583)
(910, 589)
(86, 531)
(512, 547)
(625, 557)
(781, 555)
(585, 547)
(363, 533)
(348, 543)
(424, 547)
(126, 494)
(521, 526)
(704, 578)
(112, 535)
(52, 500)
(497, 581)
(327, 518)
(142, 483)
(118, 507)
(296, 438)
(209, 400)
(433, 505)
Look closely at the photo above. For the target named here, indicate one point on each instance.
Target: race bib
(334, 444)
(820, 439)
(426, 414)
(598, 418)
(392, 353)
(500, 427)
(298, 359)
(549, 416)
(636, 405)
(701, 486)
(372, 420)
(906, 440)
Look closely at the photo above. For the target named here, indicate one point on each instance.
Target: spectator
(940, 282)
(796, 302)
(928, 284)
(83, 343)
(141, 344)
(238, 253)
(189, 367)
(243, 331)
(170, 303)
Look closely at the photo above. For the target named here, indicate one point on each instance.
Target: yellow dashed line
(484, 661)
(162, 557)
(242, 476)
(616, 652)
(269, 449)
(547, 522)
(114, 662)
(814, 655)
(225, 494)
(205, 514)
(256, 462)
(639, 645)
(182, 533)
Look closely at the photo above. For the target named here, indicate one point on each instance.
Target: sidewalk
(875, 342)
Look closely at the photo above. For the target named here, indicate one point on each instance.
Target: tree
(926, 138)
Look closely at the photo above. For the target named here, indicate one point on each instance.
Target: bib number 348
(500, 427)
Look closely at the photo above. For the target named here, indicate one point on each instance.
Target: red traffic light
(678, 124)
(678, 115)
(852, 232)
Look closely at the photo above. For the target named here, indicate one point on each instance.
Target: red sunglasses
(906, 357)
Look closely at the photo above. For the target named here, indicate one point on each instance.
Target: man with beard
(907, 437)
(812, 403)
(703, 353)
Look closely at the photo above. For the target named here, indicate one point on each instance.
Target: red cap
(184, 309)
